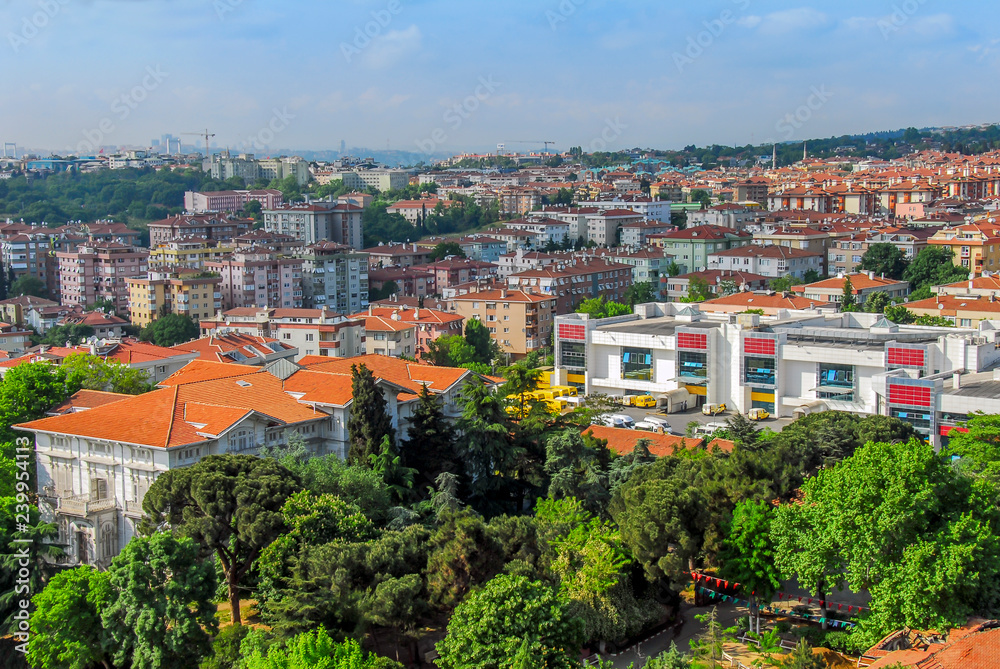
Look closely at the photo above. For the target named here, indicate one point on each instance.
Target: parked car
(649, 426)
(658, 421)
(619, 420)
(758, 414)
(643, 401)
(713, 409)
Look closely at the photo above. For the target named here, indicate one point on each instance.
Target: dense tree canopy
(170, 330)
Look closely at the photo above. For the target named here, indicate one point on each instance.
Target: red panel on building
(946, 429)
(915, 396)
(692, 341)
(576, 332)
(758, 346)
(905, 357)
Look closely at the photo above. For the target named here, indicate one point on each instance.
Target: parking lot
(679, 421)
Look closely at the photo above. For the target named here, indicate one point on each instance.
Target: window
(965, 322)
(573, 354)
(309, 337)
(637, 364)
(836, 382)
(692, 365)
(759, 371)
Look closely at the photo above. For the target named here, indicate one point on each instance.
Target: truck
(643, 401)
(758, 414)
(713, 409)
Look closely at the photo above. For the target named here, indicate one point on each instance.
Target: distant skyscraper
(343, 147)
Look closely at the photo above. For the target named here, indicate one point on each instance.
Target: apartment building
(770, 261)
(214, 227)
(518, 200)
(646, 207)
(676, 288)
(634, 234)
(28, 251)
(519, 321)
(15, 309)
(191, 253)
(173, 291)
(317, 221)
(380, 179)
(416, 211)
(962, 310)
(801, 361)
(572, 283)
(284, 167)
(239, 349)
(231, 200)
(335, 276)
(259, 279)
(975, 246)
(728, 215)
(13, 340)
(388, 334)
(845, 253)
(100, 271)
(521, 260)
(455, 271)
(397, 255)
(692, 247)
(155, 362)
(602, 228)
(754, 189)
(548, 230)
(647, 264)
(94, 468)
(261, 240)
(865, 284)
(314, 332)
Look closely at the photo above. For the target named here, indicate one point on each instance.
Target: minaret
(805, 151)
(774, 158)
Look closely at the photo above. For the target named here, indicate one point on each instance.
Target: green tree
(462, 554)
(699, 290)
(161, 611)
(229, 504)
(485, 349)
(728, 287)
(445, 249)
(28, 285)
(877, 302)
(642, 292)
(27, 392)
(884, 258)
(803, 658)
(388, 464)
(388, 289)
(226, 648)
(933, 266)
(899, 314)
(979, 448)
(897, 520)
(252, 209)
(75, 334)
(508, 617)
(107, 306)
(577, 468)
(701, 196)
(673, 269)
(368, 421)
(310, 650)
(708, 645)
(170, 330)
(93, 373)
(848, 300)
(785, 283)
(429, 446)
(743, 430)
(748, 555)
(66, 630)
(599, 307)
(490, 455)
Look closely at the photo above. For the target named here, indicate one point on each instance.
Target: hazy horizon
(436, 77)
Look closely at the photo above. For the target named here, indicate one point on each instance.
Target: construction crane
(205, 134)
(531, 141)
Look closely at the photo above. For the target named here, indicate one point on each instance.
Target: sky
(441, 76)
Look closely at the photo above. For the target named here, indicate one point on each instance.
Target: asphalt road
(679, 421)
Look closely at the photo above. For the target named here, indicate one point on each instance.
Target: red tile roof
(622, 440)
(82, 400)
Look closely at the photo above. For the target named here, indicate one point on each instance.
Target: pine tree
(803, 658)
(368, 421)
(430, 442)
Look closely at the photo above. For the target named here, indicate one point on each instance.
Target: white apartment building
(771, 261)
(317, 221)
(334, 276)
(315, 332)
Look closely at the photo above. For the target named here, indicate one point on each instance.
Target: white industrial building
(796, 363)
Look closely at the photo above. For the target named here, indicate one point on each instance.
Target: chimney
(871, 274)
(957, 381)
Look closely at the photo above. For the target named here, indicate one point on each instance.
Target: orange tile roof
(952, 305)
(757, 301)
(622, 440)
(182, 414)
(860, 282)
(321, 387)
(197, 371)
(971, 647)
(87, 399)
(219, 347)
(408, 375)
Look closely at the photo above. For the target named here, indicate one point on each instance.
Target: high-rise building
(317, 221)
(335, 276)
(100, 271)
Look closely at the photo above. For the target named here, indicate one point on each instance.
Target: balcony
(85, 505)
(329, 345)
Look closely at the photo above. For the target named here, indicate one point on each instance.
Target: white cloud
(393, 47)
(793, 20)
(750, 22)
